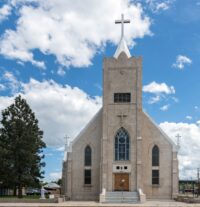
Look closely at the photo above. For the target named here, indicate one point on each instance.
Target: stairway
(121, 197)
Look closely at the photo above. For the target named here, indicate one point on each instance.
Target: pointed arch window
(155, 156)
(122, 145)
(88, 156)
(155, 165)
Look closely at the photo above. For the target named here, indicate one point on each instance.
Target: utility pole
(198, 182)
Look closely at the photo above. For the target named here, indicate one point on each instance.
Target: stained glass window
(122, 145)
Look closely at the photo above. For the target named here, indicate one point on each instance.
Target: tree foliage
(21, 147)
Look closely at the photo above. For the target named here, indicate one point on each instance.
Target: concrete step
(121, 197)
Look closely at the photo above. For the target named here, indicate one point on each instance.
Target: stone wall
(90, 136)
(152, 135)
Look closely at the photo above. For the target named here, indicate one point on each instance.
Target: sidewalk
(95, 204)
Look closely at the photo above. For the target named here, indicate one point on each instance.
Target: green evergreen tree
(21, 147)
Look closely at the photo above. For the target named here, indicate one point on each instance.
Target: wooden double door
(121, 182)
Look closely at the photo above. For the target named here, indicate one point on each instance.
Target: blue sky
(51, 52)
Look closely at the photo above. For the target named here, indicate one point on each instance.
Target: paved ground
(94, 204)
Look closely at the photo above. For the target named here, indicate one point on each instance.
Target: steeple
(122, 47)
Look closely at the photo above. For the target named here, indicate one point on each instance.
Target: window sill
(87, 185)
(155, 185)
(121, 161)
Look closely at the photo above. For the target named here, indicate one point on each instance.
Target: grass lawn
(24, 197)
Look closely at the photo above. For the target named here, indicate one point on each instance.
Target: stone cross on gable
(67, 138)
(122, 22)
(121, 116)
(178, 136)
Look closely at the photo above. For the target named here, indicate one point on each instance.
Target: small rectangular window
(87, 177)
(155, 177)
(122, 97)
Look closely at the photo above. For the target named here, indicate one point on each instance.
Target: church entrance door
(121, 182)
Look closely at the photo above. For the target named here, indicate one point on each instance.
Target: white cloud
(5, 11)
(56, 27)
(189, 117)
(181, 61)
(159, 5)
(60, 149)
(55, 175)
(11, 82)
(175, 99)
(154, 99)
(189, 146)
(61, 71)
(158, 88)
(2, 87)
(162, 6)
(165, 107)
(61, 110)
(4, 102)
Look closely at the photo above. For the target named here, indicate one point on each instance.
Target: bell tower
(122, 104)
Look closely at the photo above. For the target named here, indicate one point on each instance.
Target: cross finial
(122, 22)
(66, 140)
(178, 136)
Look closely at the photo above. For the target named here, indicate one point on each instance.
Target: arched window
(155, 156)
(122, 145)
(88, 156)
(155, 165)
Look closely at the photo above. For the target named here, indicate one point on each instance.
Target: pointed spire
(122, 47)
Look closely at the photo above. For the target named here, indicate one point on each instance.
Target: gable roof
(174, 146)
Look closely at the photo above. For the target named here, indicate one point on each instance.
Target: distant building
(52, 188)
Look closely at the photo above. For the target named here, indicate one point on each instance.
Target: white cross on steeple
(122, 47)
(122, 21)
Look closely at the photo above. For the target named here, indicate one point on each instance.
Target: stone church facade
(121, 149)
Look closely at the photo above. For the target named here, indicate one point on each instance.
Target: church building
(121, 155)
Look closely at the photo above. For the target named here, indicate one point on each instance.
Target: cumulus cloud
(10, 82)
(160, 91)
(154, 99)
(158, 88)
(60, 109)
(5, 11)
(189, 117)
(2, 87)
(55, 175)
(181, 61)
(159, 5)
(61, 71)
(56, 27)
(165, 107)
(189, 146)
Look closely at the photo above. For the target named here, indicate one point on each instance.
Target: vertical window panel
(122, 145)
(88, 156)
(87, 179)
(155, 156)
(155, 177)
